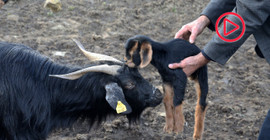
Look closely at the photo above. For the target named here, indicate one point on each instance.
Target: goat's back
(179, 49)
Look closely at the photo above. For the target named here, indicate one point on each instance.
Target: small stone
(58, 53)
(53, 5)
(96, 37)
(163, 114)
(58, 27)
(81, 137)
(108, 128)
(13, 18)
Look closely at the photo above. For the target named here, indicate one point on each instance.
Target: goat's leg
(201, 86)
(168, 103)
(179, 86)
(179, 119)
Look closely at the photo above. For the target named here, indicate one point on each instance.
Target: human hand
(2, 3)
(191, 30)
(190, 64)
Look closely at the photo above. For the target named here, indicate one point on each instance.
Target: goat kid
(32, 103)
(141, 50)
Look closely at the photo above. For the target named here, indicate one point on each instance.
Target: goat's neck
(73, 99)
(60, 90)
(79, 89)
(159, 53)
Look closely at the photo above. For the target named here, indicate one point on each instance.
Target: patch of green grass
(71, 8)
(174, 9)
(50, 13)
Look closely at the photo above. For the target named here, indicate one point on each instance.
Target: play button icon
(230, 27)
(227, 21)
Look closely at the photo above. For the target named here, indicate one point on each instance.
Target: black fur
(171, 52)
(32, 104)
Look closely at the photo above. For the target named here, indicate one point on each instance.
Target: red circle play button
(234, 27)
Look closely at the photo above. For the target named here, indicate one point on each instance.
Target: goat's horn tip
(73, 39)
(50, 75)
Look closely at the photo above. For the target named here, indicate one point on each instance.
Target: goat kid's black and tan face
(138, 52)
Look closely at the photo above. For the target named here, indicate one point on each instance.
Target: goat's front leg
(169, 108)
(201, 86)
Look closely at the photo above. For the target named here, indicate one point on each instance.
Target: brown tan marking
(199, 115)
(131, 52)
(169, 108)
(179, 119)
(145, 59)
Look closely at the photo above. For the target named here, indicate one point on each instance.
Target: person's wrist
(202, 60)
(1, 3)
(204, 20)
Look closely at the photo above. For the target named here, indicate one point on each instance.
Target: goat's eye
(130, 85)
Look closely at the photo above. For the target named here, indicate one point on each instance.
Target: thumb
(175, 65)
(181, 33)
(192, 37)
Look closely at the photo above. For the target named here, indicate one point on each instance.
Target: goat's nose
(156, 98)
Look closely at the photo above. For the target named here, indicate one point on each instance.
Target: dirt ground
(239, 92)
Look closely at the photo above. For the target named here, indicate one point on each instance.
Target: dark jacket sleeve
(5, 1)
(215, 8)
(255, 15)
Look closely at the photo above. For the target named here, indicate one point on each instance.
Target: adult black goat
(141, 50)
(32, 103)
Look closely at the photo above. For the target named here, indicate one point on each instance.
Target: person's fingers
(186, 35)
(174, 65)
(1, 3)
(181, 64)
(180, 34)
(193, 36)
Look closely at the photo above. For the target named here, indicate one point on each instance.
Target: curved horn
(95, 56)
(108, 69)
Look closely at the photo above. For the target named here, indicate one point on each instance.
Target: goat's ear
(116, 98)
(146, 53)
(131, 49)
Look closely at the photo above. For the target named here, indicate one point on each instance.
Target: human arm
(215, 8)
(3, 2)
(208, 19)
(254, 14)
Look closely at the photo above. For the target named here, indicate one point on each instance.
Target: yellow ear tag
(120, 107)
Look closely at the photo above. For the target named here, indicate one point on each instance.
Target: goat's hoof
(196, 137)
(179, 126)
(178, 129)
(168, 129)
